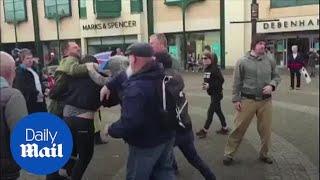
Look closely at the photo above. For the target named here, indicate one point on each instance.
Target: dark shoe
(227, 161)
(266, 160)
(176, 172)
(223, 131)
(97, 139)
(201, 134)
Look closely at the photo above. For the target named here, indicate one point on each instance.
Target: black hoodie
(214, 77)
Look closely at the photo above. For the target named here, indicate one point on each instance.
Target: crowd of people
(132, 81)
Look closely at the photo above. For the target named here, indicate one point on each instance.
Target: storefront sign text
(286, 24)
(289, 24)
(110, 25)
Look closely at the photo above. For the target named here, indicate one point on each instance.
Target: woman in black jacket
(29, 82)
(213, 81)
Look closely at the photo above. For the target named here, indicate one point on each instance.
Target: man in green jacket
(255, 77)
(69, 67)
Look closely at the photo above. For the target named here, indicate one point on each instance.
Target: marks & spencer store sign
(303, 23)
(109, 25)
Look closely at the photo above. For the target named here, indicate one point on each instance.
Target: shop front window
(62, 8)
(288, 3)
(136, 6)
(97, 45)
(280, 51)
(83, 9)
(107, 8)
(15, 11)
(196, 41)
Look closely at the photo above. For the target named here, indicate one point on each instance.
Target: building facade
(104, 25)
(107, 33)
(297, 24)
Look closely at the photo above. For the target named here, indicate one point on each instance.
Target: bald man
(13, 108)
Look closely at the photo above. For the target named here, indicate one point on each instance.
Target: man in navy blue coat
(150, 146)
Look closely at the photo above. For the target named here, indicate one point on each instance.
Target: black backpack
(174, 107)
(8, 167)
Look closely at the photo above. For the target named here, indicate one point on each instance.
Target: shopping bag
(305, 74)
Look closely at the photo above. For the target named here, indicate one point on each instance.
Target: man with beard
(150, 146)
(184, 136)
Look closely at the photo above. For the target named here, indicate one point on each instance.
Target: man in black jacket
(30, 83)
(184, 136)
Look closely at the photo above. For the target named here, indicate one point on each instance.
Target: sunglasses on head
(205, 58)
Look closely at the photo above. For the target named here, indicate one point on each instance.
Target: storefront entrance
(280, 45)
(303, 46)
(101, 44)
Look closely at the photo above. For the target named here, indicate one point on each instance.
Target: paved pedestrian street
(295, 138)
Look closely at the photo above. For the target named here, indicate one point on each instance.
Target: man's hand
(46, 92)
(205, 86)
(237, 105)
(104, 93)
(92, 66)
(96, 66)
(267, 89)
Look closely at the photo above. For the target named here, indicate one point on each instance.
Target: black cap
(140, 50)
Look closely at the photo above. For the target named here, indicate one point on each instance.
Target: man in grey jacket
(13, 108)
(255, 77)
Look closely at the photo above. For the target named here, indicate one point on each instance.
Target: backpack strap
(180, 109)
(165, 80)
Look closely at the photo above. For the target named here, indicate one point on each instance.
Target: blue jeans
(151, 163)
(190, 153)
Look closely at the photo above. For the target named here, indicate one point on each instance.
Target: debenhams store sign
(289, 24)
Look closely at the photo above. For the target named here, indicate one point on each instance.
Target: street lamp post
(15, 24)
(222, 35)
(254, 18)
(57, 18)
(184, 46)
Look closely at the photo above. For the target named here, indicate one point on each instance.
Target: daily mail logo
(41, 143)
(33, 150)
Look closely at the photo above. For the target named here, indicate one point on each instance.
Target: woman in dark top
(213, 81)
(29, 82)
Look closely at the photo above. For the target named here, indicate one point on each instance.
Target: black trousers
(215, 107)
(190, 153)
(34, 107)
(83, 145)
(292, 75)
